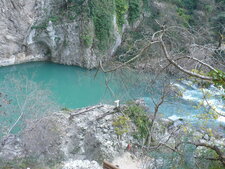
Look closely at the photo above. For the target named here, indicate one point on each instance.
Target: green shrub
(121, 125)
(139, 117)
(134, 10)
(183, 14)
(218, 77)
(189, 4)
(121, 10)
(21, 164)
(87, 40)
(102, 13)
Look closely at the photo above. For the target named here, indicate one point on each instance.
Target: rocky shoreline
(22, 58)
(83, 134)
(81, 138)
(29, 34)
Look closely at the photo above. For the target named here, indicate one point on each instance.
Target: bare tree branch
(221, 155)
(129, 61)
(193, 74)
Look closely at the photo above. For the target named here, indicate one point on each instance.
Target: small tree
(22, 99)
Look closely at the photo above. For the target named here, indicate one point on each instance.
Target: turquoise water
(43, 87)
(71, 87)
(55, 86)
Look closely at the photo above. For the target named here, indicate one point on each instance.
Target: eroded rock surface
(85, 137)
(11, 147)
(85, 134)
(16, 18)
(81, 164)
(29, 32)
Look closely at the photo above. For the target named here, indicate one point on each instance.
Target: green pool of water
(69, 87)
(52, 87)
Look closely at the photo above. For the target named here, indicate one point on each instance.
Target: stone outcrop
(84, 134)
(16, 18)
(28, 34)
(85, 137)
(81, 164)
(11, 147)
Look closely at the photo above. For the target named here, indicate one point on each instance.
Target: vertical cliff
(16, 18)
(73, 32)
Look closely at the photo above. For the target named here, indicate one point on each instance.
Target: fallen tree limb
(84, 111)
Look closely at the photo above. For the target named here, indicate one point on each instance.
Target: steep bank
(83, 32)
(67, 32)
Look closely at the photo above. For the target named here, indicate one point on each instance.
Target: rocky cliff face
(83, 134)
(61, 31)
(16, 18)
(83, 32)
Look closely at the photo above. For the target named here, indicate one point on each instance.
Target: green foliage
(189, 4)
(185, 9)
(215, 165)
(102, 13)
(140, 118)
(183, 14)
(121, 125)
(41, 26)
(208, 8)
(205, 153)
(121, 10)
(87, 40)
(44, 24)
(73, 8)
(209, 115)
(134, 10)
(218, 77)
(54, 19)
(87, 35)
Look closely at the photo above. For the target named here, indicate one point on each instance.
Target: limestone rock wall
(28, 34)
(16, 17)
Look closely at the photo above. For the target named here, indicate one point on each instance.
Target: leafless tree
(197, 55)
(179, 47)
(23, 99)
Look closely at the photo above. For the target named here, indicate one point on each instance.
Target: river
(71, 87)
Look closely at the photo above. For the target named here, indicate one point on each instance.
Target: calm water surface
(71, 86)
(74, 87)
